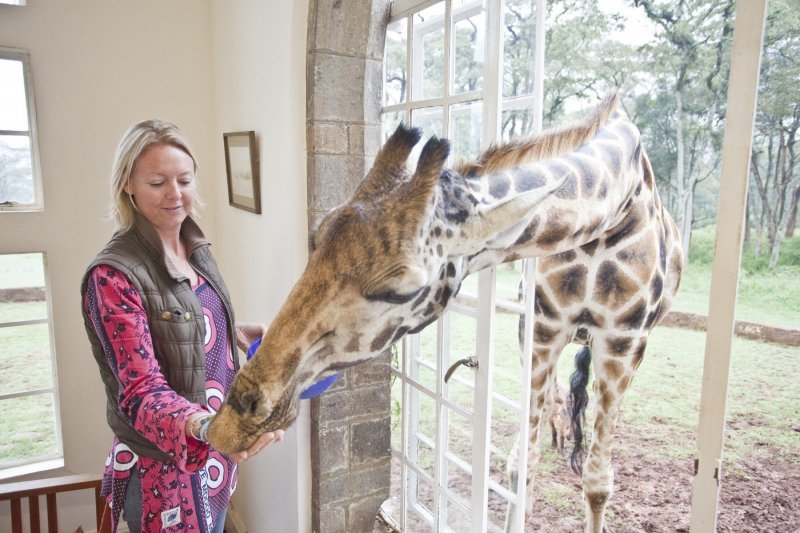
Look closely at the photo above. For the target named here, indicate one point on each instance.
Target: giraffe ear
(500, 225)
(418, 191)
(390, 163)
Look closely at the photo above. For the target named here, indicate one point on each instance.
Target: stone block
(376, 371)
(338, 87)
(332, 448)
(332, 520)
(365, 139)
(361, 514)
(370, 441)
(332, 179)
(327, 138)
(352, 27)
(371, 401)
(354, 485)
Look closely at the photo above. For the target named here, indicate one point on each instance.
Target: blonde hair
(136, 140)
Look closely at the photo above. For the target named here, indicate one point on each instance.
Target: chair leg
(16, 516)
(33, 512)
(52, 514)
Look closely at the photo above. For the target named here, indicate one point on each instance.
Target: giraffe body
(388, 262)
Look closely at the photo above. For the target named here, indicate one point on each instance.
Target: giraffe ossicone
(389, 260)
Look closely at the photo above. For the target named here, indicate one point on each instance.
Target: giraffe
(389, 260)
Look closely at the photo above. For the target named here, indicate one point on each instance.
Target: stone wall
(350, 424)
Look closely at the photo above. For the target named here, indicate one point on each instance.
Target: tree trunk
(684, 192)
(792, 221)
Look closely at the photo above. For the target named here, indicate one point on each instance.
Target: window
(29, 428)
(20, 184)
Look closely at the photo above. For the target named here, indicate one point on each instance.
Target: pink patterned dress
(189, 492)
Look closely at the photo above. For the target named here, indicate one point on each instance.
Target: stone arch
(350, 425)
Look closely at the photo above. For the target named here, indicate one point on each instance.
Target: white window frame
(410, 362)
(55, 460)
(16, 54)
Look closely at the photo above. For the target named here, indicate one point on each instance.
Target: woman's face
(163, 186)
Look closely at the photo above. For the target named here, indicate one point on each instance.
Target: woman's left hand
(247, 334)
(263, 441)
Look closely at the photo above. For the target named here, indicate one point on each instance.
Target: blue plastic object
(314, 390)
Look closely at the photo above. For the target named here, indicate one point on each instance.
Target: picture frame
(242, 167)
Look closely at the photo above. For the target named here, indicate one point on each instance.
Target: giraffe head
(383, 264)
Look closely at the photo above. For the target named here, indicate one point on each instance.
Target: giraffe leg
(542, 382)
(613, 374)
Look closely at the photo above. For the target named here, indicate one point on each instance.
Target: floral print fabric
(190, 491)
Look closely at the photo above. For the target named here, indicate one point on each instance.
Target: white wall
(259, 62)
(97, 68)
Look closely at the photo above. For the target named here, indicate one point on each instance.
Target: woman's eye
(157, 184)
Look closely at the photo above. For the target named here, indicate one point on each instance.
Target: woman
(161, 325)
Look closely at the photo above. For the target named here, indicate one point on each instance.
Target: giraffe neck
(604, 178)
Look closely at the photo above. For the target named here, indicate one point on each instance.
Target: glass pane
(497, 511)
(431, 122)
(397, 412)
(428, 50)
(25, 358)
(520, 22)
(27, 428)
(461, 386)
(455, 517)
(470, 33)
(13, 104)
(393, 505)
(466, 122)
(396, 61)
(21, 271)
(517, 123)
(16, 170)
(389, 123)
(419, 502)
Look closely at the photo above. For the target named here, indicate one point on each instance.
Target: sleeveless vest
(175, 317)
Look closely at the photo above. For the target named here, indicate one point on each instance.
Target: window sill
(31, 468)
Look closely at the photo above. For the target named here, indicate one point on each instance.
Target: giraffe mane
(549, 144)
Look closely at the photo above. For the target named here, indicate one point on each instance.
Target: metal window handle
(469, 362)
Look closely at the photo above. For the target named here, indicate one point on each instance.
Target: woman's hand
(263, 441)
(247, 334)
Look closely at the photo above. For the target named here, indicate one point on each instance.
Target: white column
(736, 146)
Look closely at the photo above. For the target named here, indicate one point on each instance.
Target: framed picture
(241, 163)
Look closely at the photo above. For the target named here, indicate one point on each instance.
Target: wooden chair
(15, 492)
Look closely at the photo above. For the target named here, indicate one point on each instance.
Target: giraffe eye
(393, 297)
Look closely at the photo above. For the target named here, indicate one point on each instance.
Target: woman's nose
(173, 189)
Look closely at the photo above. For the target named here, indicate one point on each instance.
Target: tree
(689, 53)
(16, 179)
(774, 161)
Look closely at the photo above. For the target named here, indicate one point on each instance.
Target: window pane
(24, 358)
(469, 47)
(16, 171)
(27, 428)
(517, 123)
(429, 52)
(396, 56)
(520, 22)
(465, 129)
(13, 105)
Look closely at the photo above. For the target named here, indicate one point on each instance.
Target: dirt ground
(653, 494)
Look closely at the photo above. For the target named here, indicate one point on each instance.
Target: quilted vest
(176, 320)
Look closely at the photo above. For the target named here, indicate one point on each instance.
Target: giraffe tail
(578, 399)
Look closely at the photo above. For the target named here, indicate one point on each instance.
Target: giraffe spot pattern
(569, 284)
(612, 286)
(634, 317)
